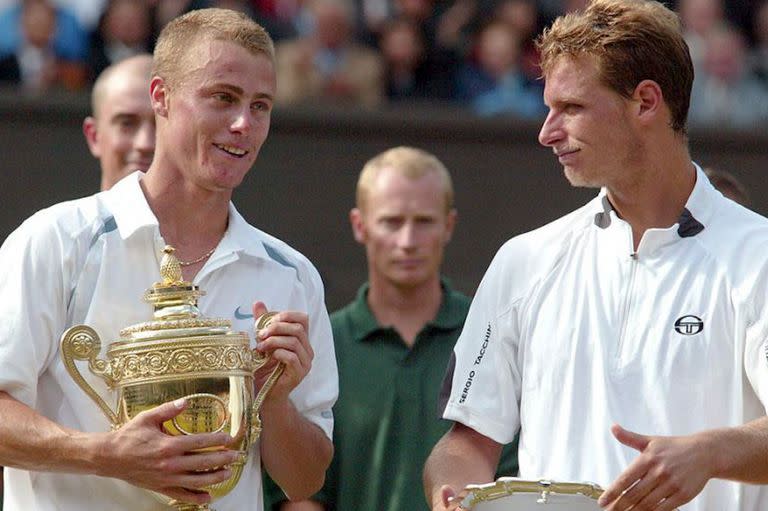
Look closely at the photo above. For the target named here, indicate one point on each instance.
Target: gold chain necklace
(199, 259)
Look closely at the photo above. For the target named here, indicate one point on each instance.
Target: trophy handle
(259, 399)
(81, 342)
(262, 322)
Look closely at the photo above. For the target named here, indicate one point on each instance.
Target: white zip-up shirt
(90, 261)
(571, 330)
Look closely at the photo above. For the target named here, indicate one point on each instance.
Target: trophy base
(182, 506)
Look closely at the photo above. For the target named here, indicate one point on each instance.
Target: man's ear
(450, 223)
(358, 225)
(649, 101)
(158, 95)
(92, 136)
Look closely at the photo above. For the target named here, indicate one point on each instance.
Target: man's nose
(243, 121)
(551, 131)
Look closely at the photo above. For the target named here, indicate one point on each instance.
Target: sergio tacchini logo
(689, 325)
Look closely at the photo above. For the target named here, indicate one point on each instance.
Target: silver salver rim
(505, 486)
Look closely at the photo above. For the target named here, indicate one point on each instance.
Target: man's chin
(578, 180)
(133, 168)
(409, 281)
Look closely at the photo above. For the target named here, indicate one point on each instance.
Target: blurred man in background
(121, 129)
(394, 340)
(727, 184)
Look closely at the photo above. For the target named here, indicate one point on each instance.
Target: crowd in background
(479, 54)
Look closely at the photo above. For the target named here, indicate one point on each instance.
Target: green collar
(450, 315)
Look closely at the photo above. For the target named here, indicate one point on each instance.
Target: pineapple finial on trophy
(170, 269)
(173, 296)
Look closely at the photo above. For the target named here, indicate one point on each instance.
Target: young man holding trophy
(91, 260)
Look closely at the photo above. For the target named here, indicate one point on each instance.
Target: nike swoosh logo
(240, 315)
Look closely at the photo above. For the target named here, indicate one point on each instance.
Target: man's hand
(286, 340)
(142, 453)
(294, 451)
(669, 472)
(449, 500)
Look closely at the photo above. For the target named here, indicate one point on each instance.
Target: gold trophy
(179, 355)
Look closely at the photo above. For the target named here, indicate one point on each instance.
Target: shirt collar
(129, 206)
(693, 218)
(450, 315)
(242, 237)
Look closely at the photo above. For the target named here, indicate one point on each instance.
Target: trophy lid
(175, 307)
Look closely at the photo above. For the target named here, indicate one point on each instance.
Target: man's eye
(392, 223)
(572, 108)
(223, 96)
(126, 124)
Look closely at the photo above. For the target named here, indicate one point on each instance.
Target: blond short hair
(182, 33)
(408, 161)
(633, 40)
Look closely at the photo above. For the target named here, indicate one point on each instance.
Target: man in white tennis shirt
(627, 340)
(90, 261)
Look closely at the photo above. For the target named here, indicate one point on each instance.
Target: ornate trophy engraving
(178, 355)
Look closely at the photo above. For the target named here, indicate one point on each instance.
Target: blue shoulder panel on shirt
(277, 256)
(109, 225)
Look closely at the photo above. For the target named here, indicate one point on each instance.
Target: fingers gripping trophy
(179, 354)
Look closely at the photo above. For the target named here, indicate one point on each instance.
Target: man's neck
(407, 310)
(655, 194)
(191, 220)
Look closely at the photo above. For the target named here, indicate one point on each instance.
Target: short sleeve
(315, 396)
(483, 388)
(33, 293)
(756, 336)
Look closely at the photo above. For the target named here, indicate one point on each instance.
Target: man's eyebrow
(228, 86)
(238, 90)
(123, 116)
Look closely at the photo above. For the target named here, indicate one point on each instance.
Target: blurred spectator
(88, 12)
(125, 30)
(262, 11)
(493, 83)
(328, 64)
(283, 19)
(523, 17)
(555, 8)
(70, 40)
(85, 12)
(165, 10)
(412, 74)
(453, 25)
(120, 131)
(699, 18)
(724, 92)
(443, 28)
(402, 47)
(45, 48)
(759, 55)
(729, 186)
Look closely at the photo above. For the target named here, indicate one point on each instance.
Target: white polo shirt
(90, 261)
(570, 332)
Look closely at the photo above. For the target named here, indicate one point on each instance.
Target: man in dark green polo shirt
(393, 342)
